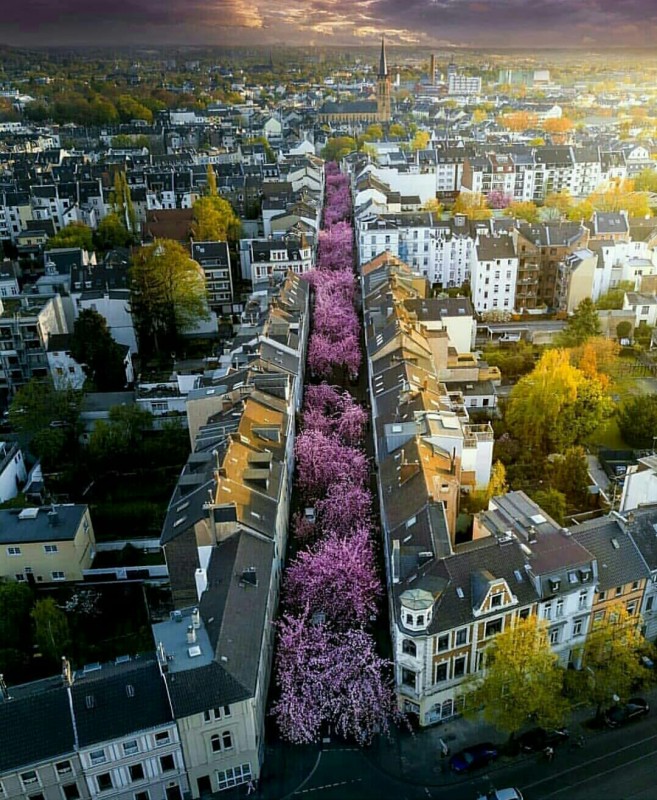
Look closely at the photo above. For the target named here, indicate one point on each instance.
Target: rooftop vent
(193, 652)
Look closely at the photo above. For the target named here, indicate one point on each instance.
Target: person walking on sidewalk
(549, 754)
(250, 788)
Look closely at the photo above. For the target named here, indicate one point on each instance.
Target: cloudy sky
(495, 23)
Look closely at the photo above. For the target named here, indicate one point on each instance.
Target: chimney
(196, 619)
(191, 634)
(201, 578)
(67, 673)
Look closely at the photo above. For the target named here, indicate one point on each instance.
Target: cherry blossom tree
(337, 577)
(344, 510)
(322, 461)
(330, 677)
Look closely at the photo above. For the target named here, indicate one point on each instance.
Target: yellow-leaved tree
(473, 205)
(215, 220)
(556, 405)
(522, 679)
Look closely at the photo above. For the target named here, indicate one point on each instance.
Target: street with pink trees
(327, 670)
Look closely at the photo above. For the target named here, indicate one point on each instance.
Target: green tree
(338, 147)
(129, 109)
(121, 437)
(168, 295)
(570, 474)
(215, 220)
(397, 131)
(556, 405)
(374, 133)
(637, 420)
(420, 140)
(121, 201)
(111, 232)
(522, 679)
(614, 298)
(15, 628)
(623, 330)
(611, 658)
(582, 325)
(643, 334)
(76, 234)
(93, 347)
(646, 181)
(553, 502)
(51, 630)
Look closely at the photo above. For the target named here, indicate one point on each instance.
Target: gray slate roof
(14, 530)
(619, 561)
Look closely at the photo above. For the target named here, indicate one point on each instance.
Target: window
(104, 781)
(619, 591)
(496, 600)
(71, 791)
(136, 772)
(130, 748)
(461, 637)
(631, 607)
(649, 602)
(49, 548)
(13, 551)
(443, 642)
(29, 779)
(97, 757)
(602, 595)
(420, 619)
(167, 763)
(142, 795)
(233, 776)
(554, 636)
(37, 796)
(635, 585)
(459, 667)
(409, 619)
(409, 647)
(577, 627)
(440, 672)
(547, 611)
(408, 678)
(598, 616)
(493, 627)
(162, 738)
(221, 742)
(583, 598)
(560, 607)
(58, 575)
(63, 768)
(524, 613)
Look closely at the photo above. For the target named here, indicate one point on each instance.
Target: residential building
(64, 369)
(274, 257)
(214, 259)
(640, 525)
(643, 306)
(640, 483)
(494, 273)
(463, 85)
(49, 545)
(12, 470)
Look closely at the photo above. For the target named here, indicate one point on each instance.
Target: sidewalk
(416, 758)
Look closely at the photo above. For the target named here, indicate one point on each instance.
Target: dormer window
(585, 575)
(555, 584)
(496, 600)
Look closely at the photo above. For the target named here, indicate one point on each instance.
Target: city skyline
(434, 23)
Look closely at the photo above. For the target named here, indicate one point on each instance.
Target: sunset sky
(493, 23)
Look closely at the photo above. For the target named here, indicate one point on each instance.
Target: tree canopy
(112, 232)
(522, 679)
(473, 205)
(556, 405)
(582, 325)
(93, 346)
(637, 420)
(77, 234)
(51, 630)
(522, 210)
(168, 294)
(215, 220)
(338, 147)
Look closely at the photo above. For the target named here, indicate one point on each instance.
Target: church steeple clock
(383, 87)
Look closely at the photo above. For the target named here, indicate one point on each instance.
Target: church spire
(383, 64)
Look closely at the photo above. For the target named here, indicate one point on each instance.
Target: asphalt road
(613, 765)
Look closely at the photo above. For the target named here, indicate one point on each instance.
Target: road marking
(328, 786)
(591, 761)
(597, 775)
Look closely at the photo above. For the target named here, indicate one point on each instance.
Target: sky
(437, 23)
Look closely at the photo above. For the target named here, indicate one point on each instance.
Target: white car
(501, 794)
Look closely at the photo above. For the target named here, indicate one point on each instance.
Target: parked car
(621, 714)
(539, 738)
(479, 755)
(502, 794)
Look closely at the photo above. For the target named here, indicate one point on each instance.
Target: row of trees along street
(328, 673)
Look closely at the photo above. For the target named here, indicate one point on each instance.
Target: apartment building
(46, 545)
(214, 259)
(494, 274)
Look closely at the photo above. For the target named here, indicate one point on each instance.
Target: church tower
(383, 87)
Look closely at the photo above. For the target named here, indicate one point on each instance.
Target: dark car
(473, 757)
(621, 714)
(540, 738)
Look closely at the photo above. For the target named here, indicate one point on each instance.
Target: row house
(13, 474)
(224, 540)
(103, 731)
(269, 258)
